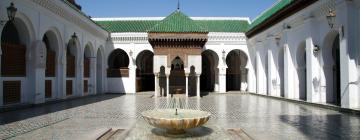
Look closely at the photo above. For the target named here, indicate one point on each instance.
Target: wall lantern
(74, 37)
(11, 12)
(277, 40)
(331, 18)
(316, 48)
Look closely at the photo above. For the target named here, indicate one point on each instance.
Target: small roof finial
(178, 5)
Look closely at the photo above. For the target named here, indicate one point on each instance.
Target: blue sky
(151, 8)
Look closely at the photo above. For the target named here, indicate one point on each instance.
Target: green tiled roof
(128, 25)
(177, 22)
(270, 12)
(224, 25)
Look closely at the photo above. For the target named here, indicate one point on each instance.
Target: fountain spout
(176, 113)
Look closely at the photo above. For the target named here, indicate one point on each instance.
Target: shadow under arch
(208, 77)
(301, 70)
(52, 42)
(236, 73)
(145, 78)
(15, 46)
(331, 67)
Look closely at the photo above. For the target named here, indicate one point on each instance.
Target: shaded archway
(177, 77)
(331, 67)
(281, 71)
(118, 63)
(13, 60)
(236, 73)
(99, 71)
(301, 70)
(209, 70)
(87, 69)
(71, 57)
(145, 78)
(52, 45)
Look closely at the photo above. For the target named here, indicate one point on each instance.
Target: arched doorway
(208, 77)
(281, 71)
(87, 69)
(331, 67)
(118, 63)
(145, 78)
(71, 54)
(236, 73)
(13, 62)
(177, 79)
(301, 70)
(99, 71)
(51, 43)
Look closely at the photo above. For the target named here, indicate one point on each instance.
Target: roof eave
(280, 16)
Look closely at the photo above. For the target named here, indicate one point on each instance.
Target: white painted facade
(34, 19)
(138, 42)
(287, 50)
(280, 61)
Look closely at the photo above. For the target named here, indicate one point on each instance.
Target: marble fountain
(176, 121)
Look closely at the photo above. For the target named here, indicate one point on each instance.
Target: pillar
(79, 75)
(92, 80)
(222, 79)
(348, 22)
(36, 78)
(167, 86)
(157, 86)
(198, 85)
(187, 85)
(62, 75)
(132, 77)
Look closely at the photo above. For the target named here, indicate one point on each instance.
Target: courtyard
(259, 117)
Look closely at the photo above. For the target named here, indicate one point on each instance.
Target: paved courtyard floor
(259, 117)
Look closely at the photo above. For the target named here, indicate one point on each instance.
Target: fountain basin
(176, 123)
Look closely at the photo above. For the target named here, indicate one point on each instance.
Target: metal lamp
(11, 12)
(331, 18)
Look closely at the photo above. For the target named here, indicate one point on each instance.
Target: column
(187, 85)
(222, 79)
(198, 85)
(348, 22)
(156, 85)
(62, 75)
(167, 86)
(132, 77)
(37, 70)
(92, 79)
(79, 75)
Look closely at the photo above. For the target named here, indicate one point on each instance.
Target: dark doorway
(236, 73)
(209, 69)
(145, 78)
(177, 77)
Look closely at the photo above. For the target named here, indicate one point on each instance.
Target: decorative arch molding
(214, 56)
(244, 62)
(59, 40)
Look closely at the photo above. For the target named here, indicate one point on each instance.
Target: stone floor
(259, 117)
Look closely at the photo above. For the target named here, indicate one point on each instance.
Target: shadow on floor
(22, 114)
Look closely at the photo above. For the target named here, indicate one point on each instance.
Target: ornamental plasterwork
(70, 15)
(233, 38)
